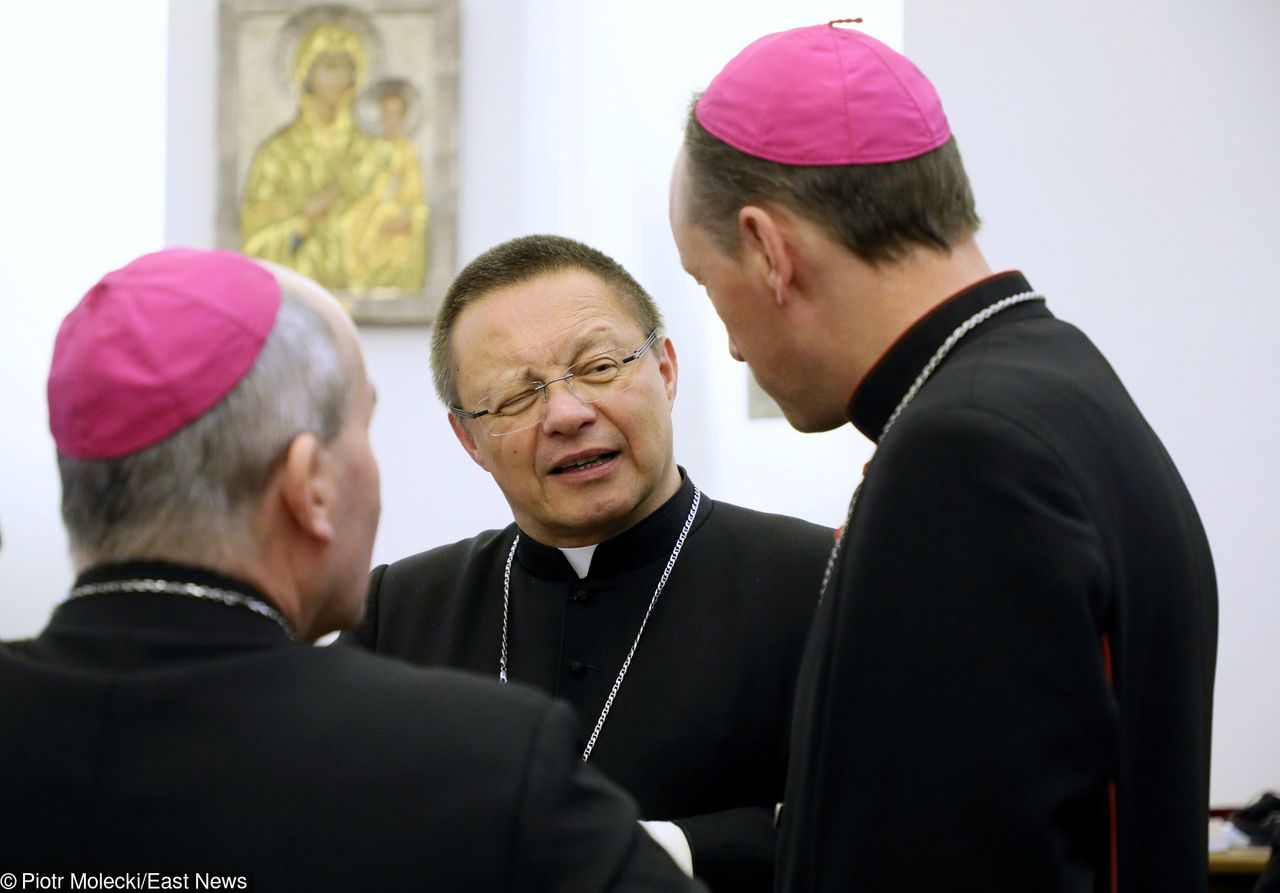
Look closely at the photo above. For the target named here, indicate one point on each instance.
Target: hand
(669, 836)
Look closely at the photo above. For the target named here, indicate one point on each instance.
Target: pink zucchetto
(823, 95)
(155, 345)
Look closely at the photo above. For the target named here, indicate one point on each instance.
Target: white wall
(570, 118)
(1124, 156)
(83, 156)
(570, 121)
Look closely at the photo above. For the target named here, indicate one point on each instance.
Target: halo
(302, 23)
(366, 107)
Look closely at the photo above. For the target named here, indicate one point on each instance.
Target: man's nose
(734, 352)
(566, 412)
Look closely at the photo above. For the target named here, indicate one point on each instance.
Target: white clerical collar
(580, 558)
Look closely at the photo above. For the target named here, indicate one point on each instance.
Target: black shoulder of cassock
(407, 597)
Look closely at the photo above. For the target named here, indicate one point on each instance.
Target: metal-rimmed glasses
(590, 380)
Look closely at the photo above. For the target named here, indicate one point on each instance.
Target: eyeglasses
(518, 408)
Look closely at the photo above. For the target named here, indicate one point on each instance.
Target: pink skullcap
(824, 95)
(155, 345)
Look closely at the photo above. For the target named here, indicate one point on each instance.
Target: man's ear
(762, 237)
(467, 440)
(669, 367)
(308, 488)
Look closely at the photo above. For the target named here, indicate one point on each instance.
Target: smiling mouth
(588, 462)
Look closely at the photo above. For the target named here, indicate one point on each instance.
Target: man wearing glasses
(673, 623)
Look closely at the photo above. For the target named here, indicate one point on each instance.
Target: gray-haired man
(211, 418)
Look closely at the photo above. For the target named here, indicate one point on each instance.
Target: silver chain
(626, 664)
(506, 601)
(934, 361)
(191, 590)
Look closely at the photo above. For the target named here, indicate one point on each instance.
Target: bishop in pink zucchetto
(154, 345)
(1021, 576)
(220, 498)
(824, 95)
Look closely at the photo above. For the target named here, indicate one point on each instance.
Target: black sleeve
(366, 634)
(733, 850)
(576, 832)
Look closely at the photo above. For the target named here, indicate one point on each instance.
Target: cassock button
(582, 596)
(578, 668)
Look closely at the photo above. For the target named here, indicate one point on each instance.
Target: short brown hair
(875, 210)
(520, 260)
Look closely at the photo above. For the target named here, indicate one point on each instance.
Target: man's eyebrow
(595, 338)
(515, 377)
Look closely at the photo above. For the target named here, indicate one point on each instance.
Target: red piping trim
(1111, 785)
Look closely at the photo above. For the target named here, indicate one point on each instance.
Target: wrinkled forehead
(544, 324)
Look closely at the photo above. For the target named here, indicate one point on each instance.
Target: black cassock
(1024, 613)
(164, 733)
(698, 732)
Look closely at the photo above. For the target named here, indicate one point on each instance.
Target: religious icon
(345, 170)
(387, 225)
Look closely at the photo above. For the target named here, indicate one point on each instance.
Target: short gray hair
(192, 495)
